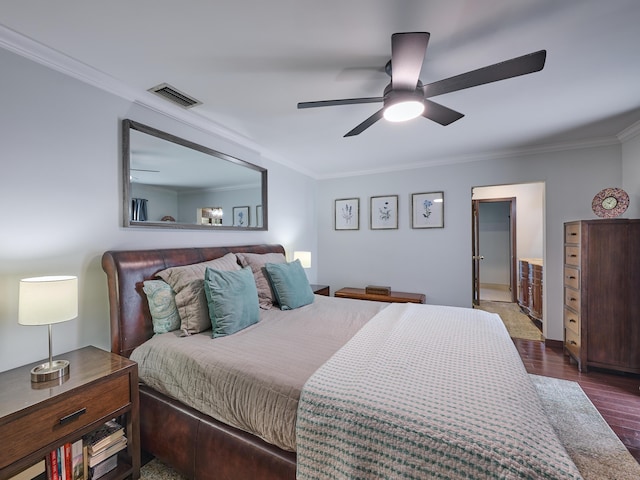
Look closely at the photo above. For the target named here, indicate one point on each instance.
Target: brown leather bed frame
(194, 444)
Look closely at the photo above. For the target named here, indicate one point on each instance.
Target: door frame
(475, 247)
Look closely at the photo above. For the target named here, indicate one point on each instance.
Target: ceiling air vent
(173, 95)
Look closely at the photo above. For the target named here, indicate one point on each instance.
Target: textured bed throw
(426, 391)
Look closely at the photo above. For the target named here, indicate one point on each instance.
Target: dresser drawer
(571, 338)
(572, 321)
(62, 416)
(572, 277)
(572, 233)
(572, 299)
(572, 255)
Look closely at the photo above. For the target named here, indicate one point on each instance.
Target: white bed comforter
(422, 392)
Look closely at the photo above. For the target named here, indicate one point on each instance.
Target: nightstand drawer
(61, 416)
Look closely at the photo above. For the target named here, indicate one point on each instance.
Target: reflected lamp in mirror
(304, 257)
(211, 215)
(45, 301)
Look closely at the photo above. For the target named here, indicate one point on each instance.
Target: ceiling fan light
(403, 111)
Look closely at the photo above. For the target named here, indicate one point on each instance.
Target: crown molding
(629, 132)
(477, 157)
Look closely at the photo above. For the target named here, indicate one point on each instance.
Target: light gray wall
(437, 261)
(60, 198)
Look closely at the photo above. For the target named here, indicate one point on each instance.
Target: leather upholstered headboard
(127, 270)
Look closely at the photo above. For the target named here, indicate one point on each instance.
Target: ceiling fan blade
(366, 124)
(532, 62)
(407, 56)
(344, 101)
(439, 113)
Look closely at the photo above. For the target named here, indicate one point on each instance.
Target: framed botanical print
(384, 212)
(347, 214)
(427, 210)
(240, 216)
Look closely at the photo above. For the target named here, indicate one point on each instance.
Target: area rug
(594, 447)
(517, 323)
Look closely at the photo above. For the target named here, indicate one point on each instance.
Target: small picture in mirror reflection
(211, 216)
(241, 216)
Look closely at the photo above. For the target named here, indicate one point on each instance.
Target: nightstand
(36, 418)
(320, 289)
(394, 297)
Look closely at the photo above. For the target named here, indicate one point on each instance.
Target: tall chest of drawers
(602, 293)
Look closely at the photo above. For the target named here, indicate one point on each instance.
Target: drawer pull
(571, 320)
(572, 342)
(72, 416)
(573, 234)
(571, 277)
(573, 255)
(573, 299)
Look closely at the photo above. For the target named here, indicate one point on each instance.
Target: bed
(392, 380)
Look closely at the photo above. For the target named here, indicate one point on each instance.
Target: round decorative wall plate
(610, 202)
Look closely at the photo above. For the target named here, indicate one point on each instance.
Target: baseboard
(553, 343)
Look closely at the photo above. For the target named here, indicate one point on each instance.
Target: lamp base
(50, 371)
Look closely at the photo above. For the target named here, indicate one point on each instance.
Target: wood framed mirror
(169, 182)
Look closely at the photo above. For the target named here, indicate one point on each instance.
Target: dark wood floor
(616, 396)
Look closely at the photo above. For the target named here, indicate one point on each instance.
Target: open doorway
(507, 227)
(494, 249)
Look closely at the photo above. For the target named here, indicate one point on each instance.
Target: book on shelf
(104, 467)
(34, 472)
(104, 436)
(112, 449)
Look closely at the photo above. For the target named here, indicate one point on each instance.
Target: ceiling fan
(406, 97)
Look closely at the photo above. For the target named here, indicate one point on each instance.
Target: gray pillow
(233, 300)
(162, 305)
(257, 261)
(188, 283)
(290, 285)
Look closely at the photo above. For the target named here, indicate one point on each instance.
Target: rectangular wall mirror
(170, 182)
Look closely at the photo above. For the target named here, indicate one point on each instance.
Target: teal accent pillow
(290, 285)
(232, 298)
(162, 306)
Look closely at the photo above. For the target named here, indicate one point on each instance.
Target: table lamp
(304, 257)
(45, 301)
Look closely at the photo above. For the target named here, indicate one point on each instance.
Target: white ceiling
(251, 61)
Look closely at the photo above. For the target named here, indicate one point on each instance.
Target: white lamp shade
(304, 257)
(47, 300)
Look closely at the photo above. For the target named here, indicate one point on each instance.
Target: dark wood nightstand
(394, 297)
(320, 289)
(36, 418)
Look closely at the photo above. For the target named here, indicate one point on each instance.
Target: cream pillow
(188, 283)
(257, 262)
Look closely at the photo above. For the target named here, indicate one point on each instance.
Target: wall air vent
(173, 95)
